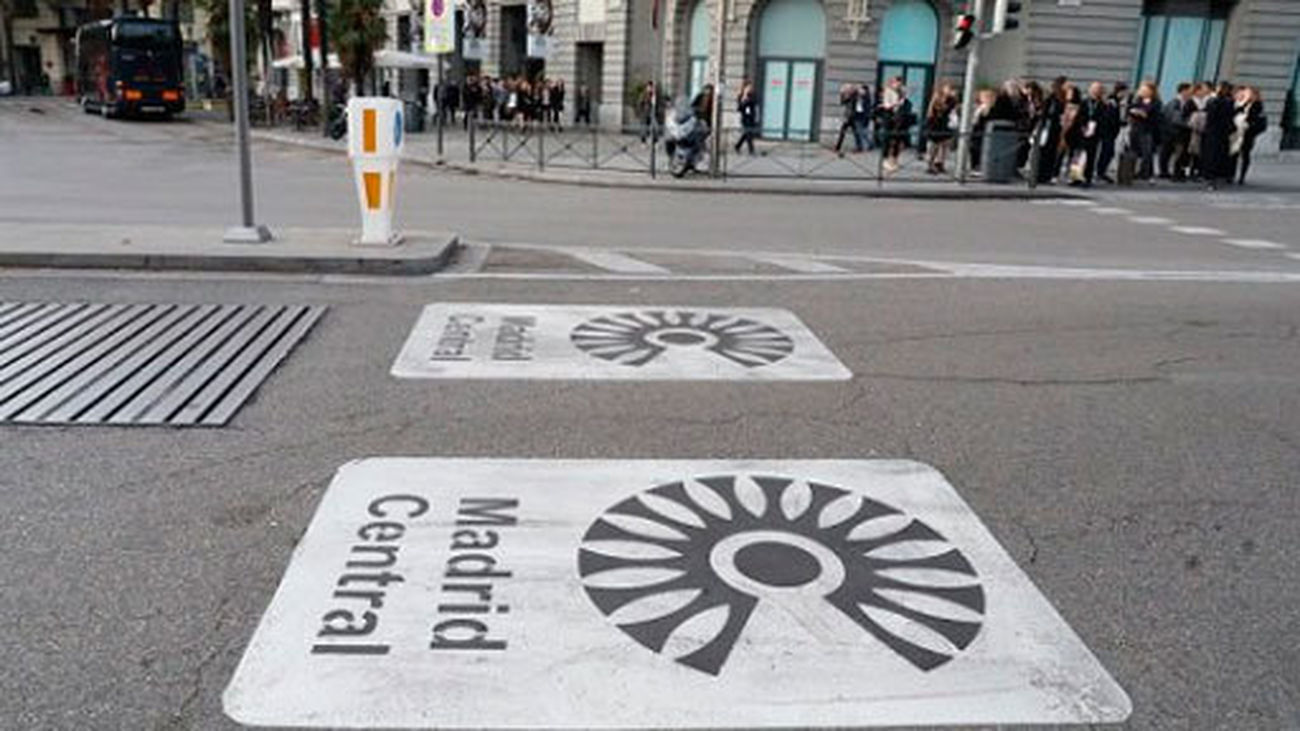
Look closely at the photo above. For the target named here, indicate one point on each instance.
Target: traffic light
(1004, 15)
(964, 30)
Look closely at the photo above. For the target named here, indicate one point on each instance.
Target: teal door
(776, 97)
(791, 45)
(789, 99)
(1178, 48)
(803, 98)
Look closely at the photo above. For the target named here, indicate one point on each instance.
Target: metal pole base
(247, 235)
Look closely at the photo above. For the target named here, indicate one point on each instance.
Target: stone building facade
(799, 52)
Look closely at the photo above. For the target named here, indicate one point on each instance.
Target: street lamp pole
(719, 77)
(968, 94)
(248, 232)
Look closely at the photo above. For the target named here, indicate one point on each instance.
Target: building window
(700, 36)
(1181, 41)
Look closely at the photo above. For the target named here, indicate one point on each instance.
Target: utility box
(376, 131)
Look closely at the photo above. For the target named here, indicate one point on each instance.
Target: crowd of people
(1205, 133)
(519, 100)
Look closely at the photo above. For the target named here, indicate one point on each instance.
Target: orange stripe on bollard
(368, 130)
(374, 181)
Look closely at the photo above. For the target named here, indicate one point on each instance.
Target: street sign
(458, 593)
(439, 26)
(619, 342)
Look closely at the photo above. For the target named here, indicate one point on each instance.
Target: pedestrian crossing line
(1197, 230)
(1152, 220)
(1253, 244)
(614, 261)
(1292, 255)
(1075, 202)
(1106, 211)
(803, 266)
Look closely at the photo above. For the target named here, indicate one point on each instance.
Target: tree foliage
(358, 30)
(218, 12)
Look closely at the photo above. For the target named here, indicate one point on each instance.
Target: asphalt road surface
(1133, 442)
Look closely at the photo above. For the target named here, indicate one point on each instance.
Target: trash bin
(414, 115)
(375, 135)
(998, 158)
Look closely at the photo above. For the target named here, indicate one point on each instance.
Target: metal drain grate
(87, 363)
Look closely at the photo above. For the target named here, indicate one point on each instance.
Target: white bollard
(375, 136)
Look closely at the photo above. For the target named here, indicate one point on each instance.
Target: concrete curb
(411, 259)
(949, 191)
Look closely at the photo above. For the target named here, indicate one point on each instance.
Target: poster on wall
(474, 29)
(540, 16)
(439, 26)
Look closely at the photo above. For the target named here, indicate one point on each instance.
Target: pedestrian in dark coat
(747, 107)
(1049, 126)
(1144, 128)
(1216, 157)
(1250, 110)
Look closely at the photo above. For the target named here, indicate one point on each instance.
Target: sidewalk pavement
(296, 250)
(624, 163)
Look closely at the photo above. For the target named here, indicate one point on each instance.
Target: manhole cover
(88, 363)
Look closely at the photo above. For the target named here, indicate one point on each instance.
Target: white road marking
(1292, 255)
(615, 261)
(1075, 202)
(1152, 220)
(1253, 244)
(614, 342)
(803, 266)
(1197, 230)
(454, 574)
(1105, 211)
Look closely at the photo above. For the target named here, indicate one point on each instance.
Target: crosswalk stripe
(1152, 220)
(803, 266)
(1196, 230)
(613, 261)
(1111, 211)
(1253, 244)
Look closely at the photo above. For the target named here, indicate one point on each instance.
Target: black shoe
(1107, 178)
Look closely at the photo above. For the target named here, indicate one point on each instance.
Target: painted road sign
(658, 594)
(620, 342)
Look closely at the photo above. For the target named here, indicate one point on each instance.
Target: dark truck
(130, 66)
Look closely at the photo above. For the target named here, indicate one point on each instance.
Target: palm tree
(358, 30)
(218, 12)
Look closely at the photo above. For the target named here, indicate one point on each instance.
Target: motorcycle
(685, 136)
(338, 121)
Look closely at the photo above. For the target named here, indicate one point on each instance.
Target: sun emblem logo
(723, 544)
(636, 338)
